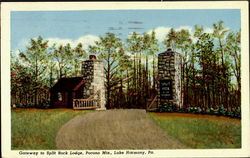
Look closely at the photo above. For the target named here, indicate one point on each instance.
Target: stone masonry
(169, 71)
(93, 75)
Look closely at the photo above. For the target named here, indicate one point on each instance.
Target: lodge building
(84, 92)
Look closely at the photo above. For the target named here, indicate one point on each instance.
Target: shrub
(167, 107)
(18, 105)
(237, 113)
(221, 110)
(21, 105)
(199, 110)
(176, 108)
(182, 110)
(29, 105)
(203, 110)
(191, 109)
(214, 111)
(44, 104)
(218, 110)
(208, 111)
(229, 112)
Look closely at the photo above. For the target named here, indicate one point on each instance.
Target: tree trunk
(108, 81)
(153, 72)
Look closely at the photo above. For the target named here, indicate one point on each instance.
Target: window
(59, 96)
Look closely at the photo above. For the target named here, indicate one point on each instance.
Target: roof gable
(68, 84)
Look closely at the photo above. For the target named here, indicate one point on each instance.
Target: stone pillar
(169, 74)
(93, 75)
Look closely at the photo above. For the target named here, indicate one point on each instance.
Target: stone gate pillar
(169, 78)
(93, 75)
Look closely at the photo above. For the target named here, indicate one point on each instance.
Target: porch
(86, 104)
(93, 102)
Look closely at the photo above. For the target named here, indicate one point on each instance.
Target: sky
(72, 27)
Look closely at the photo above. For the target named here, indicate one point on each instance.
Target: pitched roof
(68, 84)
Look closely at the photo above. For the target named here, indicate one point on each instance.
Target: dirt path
(114, 129)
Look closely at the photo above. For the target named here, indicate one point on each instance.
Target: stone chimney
(169, 74)
(93, 75)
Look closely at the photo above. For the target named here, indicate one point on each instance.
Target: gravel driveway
(114, 129)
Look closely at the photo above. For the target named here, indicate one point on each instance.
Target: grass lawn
(37, 128)
(201, 131)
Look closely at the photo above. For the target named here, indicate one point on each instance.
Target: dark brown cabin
(65, 90)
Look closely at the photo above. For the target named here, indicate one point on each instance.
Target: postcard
(125, 79)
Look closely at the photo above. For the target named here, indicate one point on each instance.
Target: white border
(6, 8)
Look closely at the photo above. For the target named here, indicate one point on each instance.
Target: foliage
(211, 63)
(44, 104)
(234, 112)
(28, 77)
(109, 49)
(168, 107)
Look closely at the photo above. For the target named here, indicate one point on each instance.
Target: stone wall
(169, 68)
(93, 75)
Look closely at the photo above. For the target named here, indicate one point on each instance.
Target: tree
(20, 81)
(52, 66)
(205, 53)
(233, 48)
(153, 48)
(184, 43)
(109, 48)
(171, 39)
(78, 52)
(219, 34)
(211, 65)
(121, 79)
(134, 47)
(63, 57)
(35, 60)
